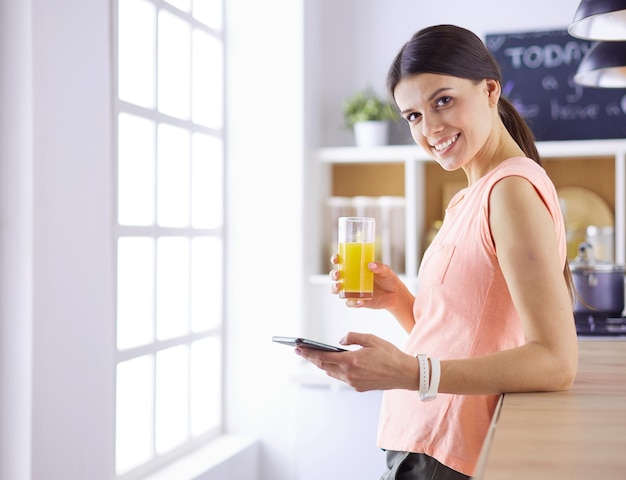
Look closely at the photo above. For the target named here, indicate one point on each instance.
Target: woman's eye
(443, 101)
(411, 117)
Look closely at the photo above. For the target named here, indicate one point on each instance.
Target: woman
(493, 311)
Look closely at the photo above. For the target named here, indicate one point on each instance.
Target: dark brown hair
(457, 52)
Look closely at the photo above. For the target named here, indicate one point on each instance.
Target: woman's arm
(526, 245)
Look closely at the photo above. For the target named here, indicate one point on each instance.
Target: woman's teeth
(442, 146)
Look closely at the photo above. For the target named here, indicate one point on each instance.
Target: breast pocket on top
(435, 265)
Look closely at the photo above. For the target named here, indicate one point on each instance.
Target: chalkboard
(538, 69)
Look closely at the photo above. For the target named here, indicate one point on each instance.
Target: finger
(355, 302)
(321, 360)
(334, 259)
(335, 275)
(362, 339)
(381, 270)
(308, 354)
(335, 288)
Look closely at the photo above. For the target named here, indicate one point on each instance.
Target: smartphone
(306, 343)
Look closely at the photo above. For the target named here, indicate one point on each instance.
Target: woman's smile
(444, 145)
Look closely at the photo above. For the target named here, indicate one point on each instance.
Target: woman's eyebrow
(432, 96)
(438, 91)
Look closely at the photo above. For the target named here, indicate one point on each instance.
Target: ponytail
(518, 128)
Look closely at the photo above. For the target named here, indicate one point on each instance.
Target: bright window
(170, 211)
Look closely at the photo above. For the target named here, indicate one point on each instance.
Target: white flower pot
(371, 134)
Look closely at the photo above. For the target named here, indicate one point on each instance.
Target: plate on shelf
(584, 207)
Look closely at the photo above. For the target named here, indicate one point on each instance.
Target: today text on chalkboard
(538, 70)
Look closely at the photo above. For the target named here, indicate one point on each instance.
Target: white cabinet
(328, 318)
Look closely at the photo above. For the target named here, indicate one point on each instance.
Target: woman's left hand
(377, 365)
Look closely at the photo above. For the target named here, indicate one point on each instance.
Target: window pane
(134, 413)
(136, 52)
(135, 292)
(173, 176)
(172, 367)
(172, 301)
(206, 286)
(184, 5)
(136, 176)
(174, 65)
(207, 182)
(208, 12)
(208, 74)
(170, 206)
(206, 387)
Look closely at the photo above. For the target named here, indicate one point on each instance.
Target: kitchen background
(290, 65)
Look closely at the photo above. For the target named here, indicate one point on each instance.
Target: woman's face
(451, 118)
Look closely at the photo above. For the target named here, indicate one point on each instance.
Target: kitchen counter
(577, 434)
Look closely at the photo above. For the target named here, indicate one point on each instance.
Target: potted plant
(369, 116)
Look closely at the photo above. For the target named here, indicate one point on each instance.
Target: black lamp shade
(600, 20)
(604, 65)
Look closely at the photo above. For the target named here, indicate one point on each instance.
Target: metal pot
(599, 285)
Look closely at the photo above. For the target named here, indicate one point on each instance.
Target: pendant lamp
(604, 66)
(600, 20)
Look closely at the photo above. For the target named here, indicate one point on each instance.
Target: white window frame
(154, 231)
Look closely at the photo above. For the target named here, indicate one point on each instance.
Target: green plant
(365, 106)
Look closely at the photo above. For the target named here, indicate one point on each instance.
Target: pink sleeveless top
(462, 309)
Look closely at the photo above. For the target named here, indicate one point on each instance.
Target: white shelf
(385, 154)
(582, 148)
(404, 153)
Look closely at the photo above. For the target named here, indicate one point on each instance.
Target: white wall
(265, 196)
(16, 237)
(73, 309)
(56, 325)
(56, 329)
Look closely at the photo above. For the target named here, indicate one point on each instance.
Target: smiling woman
(493, 311)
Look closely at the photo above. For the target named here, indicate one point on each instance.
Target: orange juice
(357, 278)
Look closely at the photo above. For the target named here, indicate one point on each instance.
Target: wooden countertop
(578, 434)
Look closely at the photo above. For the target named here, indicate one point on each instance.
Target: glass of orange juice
(356, 250)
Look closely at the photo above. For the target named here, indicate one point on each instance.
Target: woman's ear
(494, 90)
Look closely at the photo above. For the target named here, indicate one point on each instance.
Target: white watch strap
(435, 366)
(424, 374)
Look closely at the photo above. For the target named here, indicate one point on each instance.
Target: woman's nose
(430, 125)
